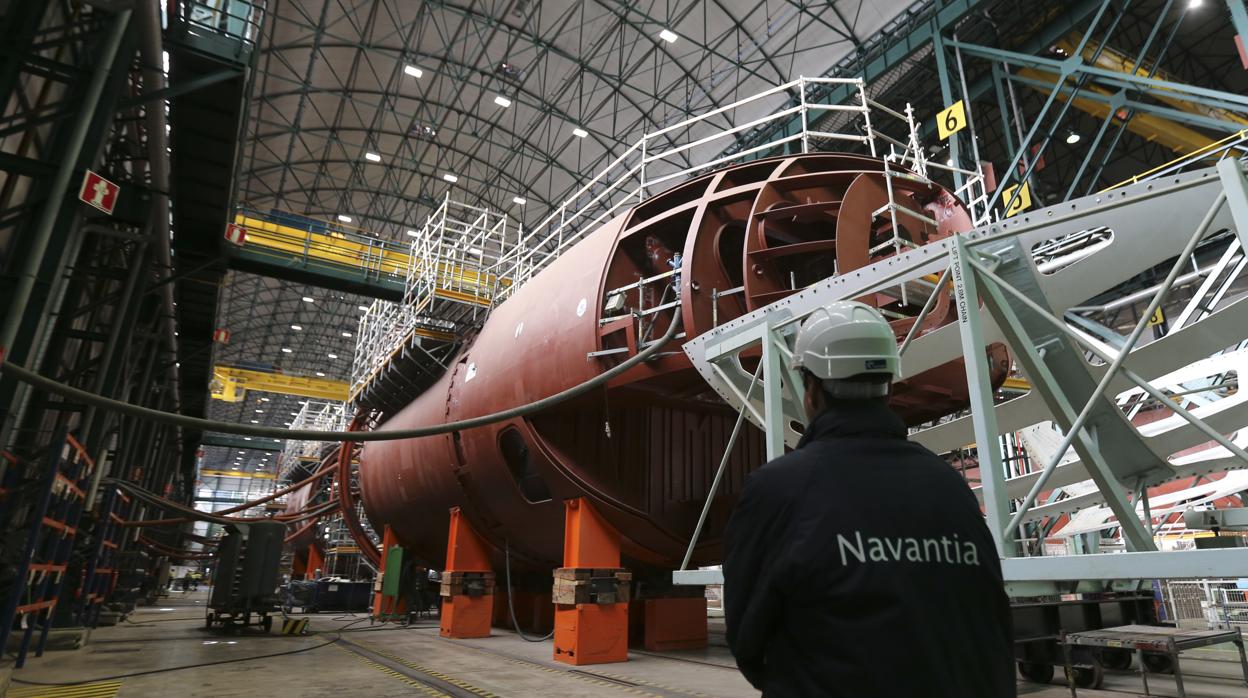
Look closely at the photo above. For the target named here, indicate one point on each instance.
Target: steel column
(979, 385)
(946, 96)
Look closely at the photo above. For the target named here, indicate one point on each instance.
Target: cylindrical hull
(645, 448)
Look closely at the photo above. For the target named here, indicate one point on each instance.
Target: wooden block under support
(467, 584)
(577, 585)
(594, 631)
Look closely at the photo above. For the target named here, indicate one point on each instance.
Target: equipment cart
(244, 583)
(1148, 638)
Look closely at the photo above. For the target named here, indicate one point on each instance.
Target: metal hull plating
(645, 448)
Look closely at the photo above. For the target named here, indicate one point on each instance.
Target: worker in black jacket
(859, 564)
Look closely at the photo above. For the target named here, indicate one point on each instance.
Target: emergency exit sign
(99, 192)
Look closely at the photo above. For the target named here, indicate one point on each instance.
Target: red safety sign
(236, 234)
(221, 336)
(99, 192)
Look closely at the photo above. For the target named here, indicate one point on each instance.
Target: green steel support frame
(992, 265)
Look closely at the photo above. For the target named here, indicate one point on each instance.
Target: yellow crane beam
(1166, 132)
(230, 384)
(257, 475)
(454, 281)
(1109, 59)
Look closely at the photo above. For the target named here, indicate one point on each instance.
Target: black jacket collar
(864, 419)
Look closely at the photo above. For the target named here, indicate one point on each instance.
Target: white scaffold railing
(318, 415)
(451, 281)
(466, 259)
(667, 156)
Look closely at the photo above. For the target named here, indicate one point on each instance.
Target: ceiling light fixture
(264, 399)
(502, 101)
(309, 299)
(519, 200)
(1072, 138)
(410, 233)
(1193, 4)
(333, 356)
(364, 308)
(372, 157)
(579, 132)
(344, 218)
(413, 71)
(287, 350)
(255, 421)
(297, 328)
(344, 334)
(669, 36)
(320, 375)
(450, 178)
(259, 411)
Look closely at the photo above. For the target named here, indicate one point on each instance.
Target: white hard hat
(844, 339)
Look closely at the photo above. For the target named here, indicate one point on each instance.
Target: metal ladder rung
(895, 241)
(907, 176)
(902, 209)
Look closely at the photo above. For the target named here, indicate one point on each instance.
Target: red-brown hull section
(643, 449)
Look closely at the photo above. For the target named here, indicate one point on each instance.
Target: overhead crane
(1110, 59)
(230, 384)
(331, 255)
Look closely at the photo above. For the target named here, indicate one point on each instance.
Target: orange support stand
(316, 563)
(590, 633)
(465, 615)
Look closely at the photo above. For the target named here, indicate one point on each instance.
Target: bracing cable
(44, 383)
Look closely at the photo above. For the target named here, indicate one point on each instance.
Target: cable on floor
(511, 607)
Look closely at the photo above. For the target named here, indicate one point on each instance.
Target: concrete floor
(346, 655)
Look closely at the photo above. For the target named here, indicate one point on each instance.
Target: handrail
(654, 159)
(1219, 145)
(563, 225)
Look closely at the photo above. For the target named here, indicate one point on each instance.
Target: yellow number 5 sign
(951, 120)
(1022, 202)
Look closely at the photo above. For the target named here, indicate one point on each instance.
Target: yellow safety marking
(430, 672)
(294, 626)
(1157, 318)
(423, 688)
(1016, 383)
(551, 670)
(339, 249)
(102, 689)
(1022, 202)
(231, 385)
(951, 120)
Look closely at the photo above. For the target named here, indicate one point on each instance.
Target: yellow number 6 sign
(951, 120)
